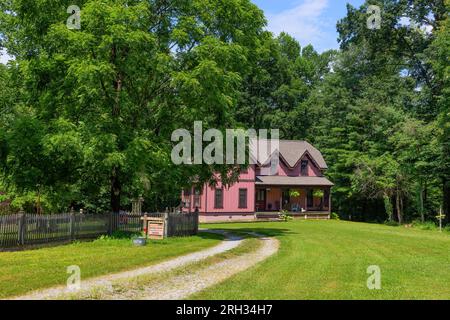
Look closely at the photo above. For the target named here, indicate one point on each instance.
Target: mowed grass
(329, 260)
(24, 271)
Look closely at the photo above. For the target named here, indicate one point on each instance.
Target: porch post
(329, 201)
(306, 200)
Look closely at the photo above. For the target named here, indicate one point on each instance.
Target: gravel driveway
(176, 287)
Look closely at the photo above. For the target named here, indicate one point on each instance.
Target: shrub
(335, 216)
(391, 223)
(123, 235)
(119, 235)
(284, 216)
(427, 225)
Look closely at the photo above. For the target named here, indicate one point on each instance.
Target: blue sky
(309, 21)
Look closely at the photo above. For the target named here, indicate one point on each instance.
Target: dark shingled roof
(293, 152)
(293, 181)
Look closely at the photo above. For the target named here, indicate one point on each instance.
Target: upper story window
(218, 199)
(304, 168)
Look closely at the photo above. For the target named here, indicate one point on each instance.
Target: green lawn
(23, 271)
(329, 260)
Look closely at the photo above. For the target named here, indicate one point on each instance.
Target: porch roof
(293, 181)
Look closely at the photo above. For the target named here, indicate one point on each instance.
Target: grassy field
(329, 260)
(21, 272)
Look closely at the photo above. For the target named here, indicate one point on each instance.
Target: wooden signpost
(154, 227)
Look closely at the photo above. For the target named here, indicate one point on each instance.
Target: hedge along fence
(22, 229)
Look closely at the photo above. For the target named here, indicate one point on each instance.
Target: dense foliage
(91, 126)
(86, 115)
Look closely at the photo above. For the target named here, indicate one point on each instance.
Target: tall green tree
(281, 78)
(439, 59)
(101, 103)
(407, 30)
(381, 102)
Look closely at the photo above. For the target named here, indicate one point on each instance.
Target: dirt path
(183, 286)
(177, 287)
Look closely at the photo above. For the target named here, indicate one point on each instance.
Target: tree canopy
(99, 103)
(86, 115)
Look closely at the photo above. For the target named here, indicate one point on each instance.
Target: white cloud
(302, 22)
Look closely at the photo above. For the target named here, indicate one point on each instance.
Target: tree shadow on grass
(249, 232)
(210, 236)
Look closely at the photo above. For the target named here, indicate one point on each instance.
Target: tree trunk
(425, 193)
(421, 206)
(116, 190)
(446, 198)
(399, 210)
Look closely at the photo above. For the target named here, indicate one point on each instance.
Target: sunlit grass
(329, 260)
(21, 272)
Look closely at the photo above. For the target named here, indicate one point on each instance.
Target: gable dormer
(306, 167)
(297, 158)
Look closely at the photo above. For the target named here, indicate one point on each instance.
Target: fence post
(196, 217)
(114, 222)
(145, 225)
(72, 224)
(166, 223)
(111, 224)
(22, 227)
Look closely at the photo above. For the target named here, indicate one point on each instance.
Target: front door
(286, 199)
(260, 200)
(310, 199)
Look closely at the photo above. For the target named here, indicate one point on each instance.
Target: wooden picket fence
(22, 229)
(182, 224)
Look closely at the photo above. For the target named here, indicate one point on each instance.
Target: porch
(309, 215)
(294, 200)
(300, 196)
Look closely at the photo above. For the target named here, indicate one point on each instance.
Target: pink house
(298, 186)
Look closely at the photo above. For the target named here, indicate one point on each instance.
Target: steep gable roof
(293, 151)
